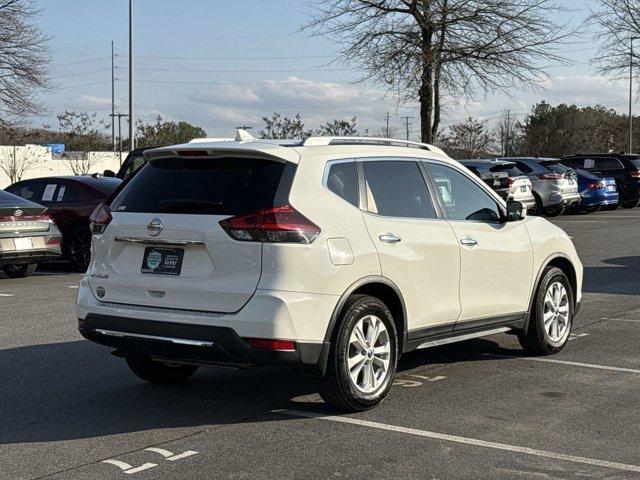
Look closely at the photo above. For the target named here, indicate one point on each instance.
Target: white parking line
(73, 286)
(129, 469)
(630, 320)
(465, 440)
(172, 457)
(578, 364)
(7, 294)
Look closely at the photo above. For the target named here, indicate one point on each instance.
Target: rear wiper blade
(185, 205)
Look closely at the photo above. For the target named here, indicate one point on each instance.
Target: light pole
(132, 141)
(631, 94)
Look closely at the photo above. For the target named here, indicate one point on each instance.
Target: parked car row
(45, 218)
(552, 186)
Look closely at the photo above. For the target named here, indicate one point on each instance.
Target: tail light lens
(635, 173)
(281, 224)
(100, 218)
(596, 185)
(53, 241)
(273, 345)
(551, 176)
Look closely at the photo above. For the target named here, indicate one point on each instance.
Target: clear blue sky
(220, 63)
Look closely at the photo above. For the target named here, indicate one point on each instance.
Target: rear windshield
(636, 162)
(556, 167)
(207, 186)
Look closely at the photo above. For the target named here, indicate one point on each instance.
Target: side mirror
(109, 173)
(515, 211)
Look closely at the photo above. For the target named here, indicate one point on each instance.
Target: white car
(333, 254)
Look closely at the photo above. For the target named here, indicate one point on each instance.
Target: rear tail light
(281, 224)
(595, 186)
(52, 241)
(551, 176)
(100, 218)
(635, 173)
(270, 344)
(192, 153)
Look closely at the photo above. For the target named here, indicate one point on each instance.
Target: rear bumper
(194, 344)
(558, 199)
(17, 257)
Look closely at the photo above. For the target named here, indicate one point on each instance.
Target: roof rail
(392, 142)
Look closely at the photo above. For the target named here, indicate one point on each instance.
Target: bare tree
(82, 163)
(337, 128)
(16, 161)
(24, 59)
(509, 135)
(616, 22)
(278, 126)
(422, 49)
(82, 131)
(469, 139)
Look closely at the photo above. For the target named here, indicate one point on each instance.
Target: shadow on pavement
(621, 278)
(76, 390)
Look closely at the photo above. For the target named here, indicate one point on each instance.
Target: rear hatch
(165, 247)
(566, 178)
(497, 179)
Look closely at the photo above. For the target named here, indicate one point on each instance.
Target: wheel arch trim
(369, 280)
(538, 278)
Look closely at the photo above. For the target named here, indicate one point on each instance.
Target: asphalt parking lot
(474, 410)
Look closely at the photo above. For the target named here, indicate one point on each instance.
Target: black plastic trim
(228, 348)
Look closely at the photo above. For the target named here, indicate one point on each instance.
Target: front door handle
(390, 238)
(468, 241)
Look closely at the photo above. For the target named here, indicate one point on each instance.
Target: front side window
(342, 179)
(463, 199)
(397, 189)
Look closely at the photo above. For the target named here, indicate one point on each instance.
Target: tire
(554, 212)
(590, 209)
(78, 248)
(541, 340)
(630, 203)
(338, 387)
(19, 271)
(159, 372)
(538, 210)
(610, 208)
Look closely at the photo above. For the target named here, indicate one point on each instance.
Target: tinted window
(524, 168)
(462, 197)
(636, 162)
(215, 186)
(574, 162)
(342, 180)
(28, 191)
(397, 189)
(557, 167)
(67, 193)
(607, 164)
(134, 164)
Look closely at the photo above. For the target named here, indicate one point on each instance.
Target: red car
(70, 201)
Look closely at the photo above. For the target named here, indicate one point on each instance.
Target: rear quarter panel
(312, 268)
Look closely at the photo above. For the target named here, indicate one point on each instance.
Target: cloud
(93, 100)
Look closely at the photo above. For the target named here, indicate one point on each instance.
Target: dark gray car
(27, 235)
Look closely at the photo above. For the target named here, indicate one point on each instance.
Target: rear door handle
(390, 238)
(468, 241)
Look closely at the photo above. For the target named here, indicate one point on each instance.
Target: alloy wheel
(369, 354)
(556, 312)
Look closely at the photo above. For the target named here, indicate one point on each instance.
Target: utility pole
(387, 128)
(113, 100)
(406, 125)
(631, 94)
(132, 140)
(507, 139)
(119, 115)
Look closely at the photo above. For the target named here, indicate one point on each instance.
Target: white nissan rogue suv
(333, 254)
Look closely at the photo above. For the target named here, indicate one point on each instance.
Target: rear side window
(342, 179)
(575, 163)
(524, 168)
(557, 167)
(397, 189)
(635, 162)
(28, 191)
(607, 164)
(206, 186)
